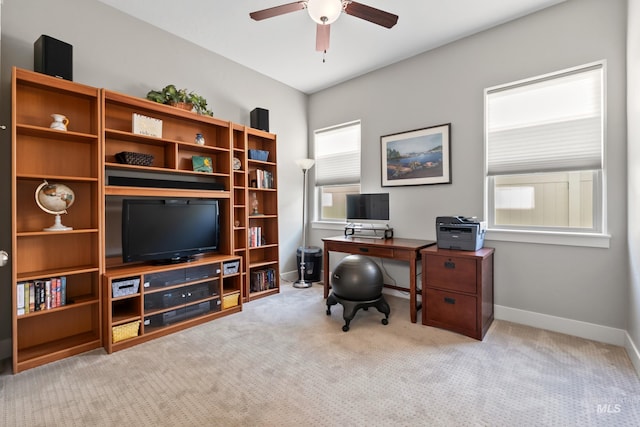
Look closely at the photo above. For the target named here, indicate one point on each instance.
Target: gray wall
(114, 51)
(633, 160)
(446, 86)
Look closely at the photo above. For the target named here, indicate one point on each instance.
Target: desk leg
(326, 271)
(413, 306)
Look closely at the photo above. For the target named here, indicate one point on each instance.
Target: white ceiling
(283, 47)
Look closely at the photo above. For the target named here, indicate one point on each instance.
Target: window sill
(550, 238)
(328, 225)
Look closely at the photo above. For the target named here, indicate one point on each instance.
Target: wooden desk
(395, 248)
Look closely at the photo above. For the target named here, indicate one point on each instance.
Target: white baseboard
(632, 351)
(563, 325)
(291, 276)
(591, 331)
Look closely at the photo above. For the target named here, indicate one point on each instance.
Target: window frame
(597, 236)
(318, 220)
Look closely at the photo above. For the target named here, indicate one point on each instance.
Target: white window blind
(338, 155)
(553, 123)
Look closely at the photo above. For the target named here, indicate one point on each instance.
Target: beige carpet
(284, 362)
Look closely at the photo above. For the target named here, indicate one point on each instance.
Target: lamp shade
(324, 11)
(305, 164)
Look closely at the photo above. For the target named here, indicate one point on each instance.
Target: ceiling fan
(326, 12)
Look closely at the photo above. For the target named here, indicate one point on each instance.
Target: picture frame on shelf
(148, 126)
(417, 157)
(202, 164)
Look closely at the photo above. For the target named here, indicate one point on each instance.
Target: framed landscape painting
(417, 157)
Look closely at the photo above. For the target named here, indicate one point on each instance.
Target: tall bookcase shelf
(240, 182)
(70, 324)
(261, 201)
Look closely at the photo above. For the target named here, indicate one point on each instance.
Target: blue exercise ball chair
(357, 283)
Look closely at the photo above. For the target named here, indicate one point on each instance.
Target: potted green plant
(180, 98)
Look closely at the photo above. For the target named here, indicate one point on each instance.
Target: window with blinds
(337, 169)
(545, 149)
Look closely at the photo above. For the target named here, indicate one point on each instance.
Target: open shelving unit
(84, 159)
(261, 206)
(240, 212)
(181, 300)
(168, 298)
(71, 158)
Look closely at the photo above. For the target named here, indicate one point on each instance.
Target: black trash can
(312, 263)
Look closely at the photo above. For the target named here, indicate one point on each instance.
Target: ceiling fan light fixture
(324, 11)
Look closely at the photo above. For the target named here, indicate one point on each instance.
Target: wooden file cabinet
(457, 290)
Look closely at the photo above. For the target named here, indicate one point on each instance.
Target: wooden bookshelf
(71, 158)
(260, 257)
(84, 159)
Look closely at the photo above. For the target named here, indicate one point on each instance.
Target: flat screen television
(368, 207)
(169, 230)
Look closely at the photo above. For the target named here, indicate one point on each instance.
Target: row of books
(255, 237)
(261, 280)
(41, 294)
(259, 178)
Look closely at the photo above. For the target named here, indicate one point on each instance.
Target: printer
(461, 233)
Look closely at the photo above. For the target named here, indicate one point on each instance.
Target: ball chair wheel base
(300, 284)
(351, 307)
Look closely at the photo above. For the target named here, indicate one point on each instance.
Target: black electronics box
(178, 315)
(53, 57)
(175, 297)
(125, 181)
(181, 275)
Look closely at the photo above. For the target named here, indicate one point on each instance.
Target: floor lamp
(305, 165)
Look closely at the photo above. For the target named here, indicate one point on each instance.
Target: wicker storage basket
(128, 330)
(131, 158)
(229, 301)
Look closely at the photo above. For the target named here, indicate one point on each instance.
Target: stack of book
(255, 237)
(259, 178)
(41, 294)
(261, 280)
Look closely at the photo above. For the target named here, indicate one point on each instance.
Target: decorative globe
(54, 199)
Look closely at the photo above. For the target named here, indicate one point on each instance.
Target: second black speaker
(260, 119)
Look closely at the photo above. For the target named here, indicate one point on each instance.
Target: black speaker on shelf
(53, 57)
(260, 119)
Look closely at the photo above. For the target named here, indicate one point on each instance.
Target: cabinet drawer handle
(449, 300)
(364, 249)
(449, 264)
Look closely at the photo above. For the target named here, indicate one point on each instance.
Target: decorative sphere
(54, 198)
(357, 278)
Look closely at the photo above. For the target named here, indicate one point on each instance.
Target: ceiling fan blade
(371, 14)
(322, 37)
(277, 10)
